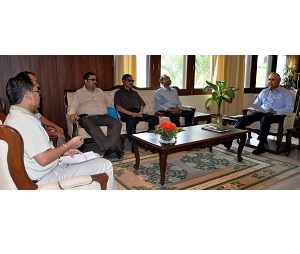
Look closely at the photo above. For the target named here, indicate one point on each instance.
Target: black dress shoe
(259, 150)
(109, 154)
(119, 153)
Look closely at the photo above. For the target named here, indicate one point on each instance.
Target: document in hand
(257, 107)
(78, 158)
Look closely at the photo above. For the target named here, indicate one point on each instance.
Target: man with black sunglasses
(131, 105)
(90, 105)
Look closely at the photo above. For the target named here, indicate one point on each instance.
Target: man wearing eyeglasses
(89, 103)
(131, 106)
(41, 159)
(57, 130)
(274, 101)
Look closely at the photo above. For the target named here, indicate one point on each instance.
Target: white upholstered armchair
(13, 175)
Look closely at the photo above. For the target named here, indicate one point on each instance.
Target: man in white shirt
(41, 159)
(57, 130)
(89, 103)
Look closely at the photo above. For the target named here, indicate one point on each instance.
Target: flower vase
(165, 139)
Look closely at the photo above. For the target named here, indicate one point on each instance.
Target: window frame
(154, 74)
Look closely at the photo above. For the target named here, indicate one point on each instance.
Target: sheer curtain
(124, 64)
(232, 69)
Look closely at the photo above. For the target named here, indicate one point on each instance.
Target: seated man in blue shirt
(167, 102)
(276, 101)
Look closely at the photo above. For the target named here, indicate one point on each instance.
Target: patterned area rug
(204, 170)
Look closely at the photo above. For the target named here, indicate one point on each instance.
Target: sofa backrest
(147, 94)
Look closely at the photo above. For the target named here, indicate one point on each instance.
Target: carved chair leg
(249, 135)
(278, 142)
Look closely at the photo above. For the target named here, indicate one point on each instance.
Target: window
(281, 63)
(258, 68)
(175, 67)
(263, 70)
(142, 70)
(202, 70)
(190, 72)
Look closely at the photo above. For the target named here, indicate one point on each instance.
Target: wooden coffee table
(192, 137)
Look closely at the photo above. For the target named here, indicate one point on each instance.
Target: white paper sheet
(78, 158)
(257, 107)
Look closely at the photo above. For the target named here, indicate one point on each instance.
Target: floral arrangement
(288, 78)
(167, 129)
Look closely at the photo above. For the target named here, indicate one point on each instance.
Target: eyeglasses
(35, 82)
(38, 91)
(93, 79)
(130, 80)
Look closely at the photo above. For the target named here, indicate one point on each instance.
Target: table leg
(241, 147)
(163, 166)
(136, 154)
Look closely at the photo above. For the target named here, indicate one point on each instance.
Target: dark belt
(83, 115)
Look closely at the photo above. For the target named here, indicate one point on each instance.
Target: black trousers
(174, 117)
(131, 122)
(265, 123)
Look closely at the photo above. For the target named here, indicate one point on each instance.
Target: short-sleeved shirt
(86, 102)
(128, 99)
(35, 138)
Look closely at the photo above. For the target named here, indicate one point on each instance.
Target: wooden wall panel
(56, 73)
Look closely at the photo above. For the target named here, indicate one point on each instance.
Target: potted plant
(219, 94)
(288, 78)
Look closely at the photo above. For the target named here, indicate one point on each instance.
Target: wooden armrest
(102, 179)
(159, 113)
(245, 110)
(186, 107)
(75, 130)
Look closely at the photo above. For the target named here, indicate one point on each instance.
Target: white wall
(198, 101)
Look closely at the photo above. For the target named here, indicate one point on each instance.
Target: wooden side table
(198, 116)
(293, 132)
(231, 120)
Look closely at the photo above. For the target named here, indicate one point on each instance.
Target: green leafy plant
(288, 78)
(219, 93)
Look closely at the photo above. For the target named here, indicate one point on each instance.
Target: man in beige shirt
(90, 104)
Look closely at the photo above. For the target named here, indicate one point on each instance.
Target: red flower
(168, 126)
(167, 129)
